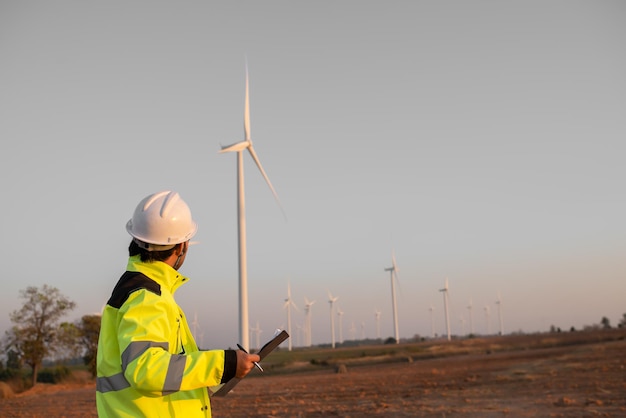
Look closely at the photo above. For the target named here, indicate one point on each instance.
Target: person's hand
(245, 363)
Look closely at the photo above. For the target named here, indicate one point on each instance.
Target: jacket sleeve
(153, 359)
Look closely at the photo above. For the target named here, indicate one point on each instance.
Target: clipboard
(265, 350)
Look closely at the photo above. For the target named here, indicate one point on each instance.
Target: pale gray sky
(483, 141)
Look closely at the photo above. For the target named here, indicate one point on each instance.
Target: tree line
(38, 333)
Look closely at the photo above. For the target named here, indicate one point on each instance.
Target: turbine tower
(377, 316)
(340, 315)
(331, 301)
(487, 322)
(432, 322)
(288, 304)
(445, 306)
(299, 332)
(197, 333)
(394, 277)
(353, 331)
(239, 148)
(194, 325)
(499, 303)
(257, 331)
(307, 324)
(471, 317)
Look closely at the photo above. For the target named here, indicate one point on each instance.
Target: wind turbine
(445, 305)
(288, 304)
(307, 310)
(300, 331)
(340, 314)
(239, 148)
(201, 335)
(394, 275)
(257, 330)
(353, 331)
(432, 322)
(194, 326)
(331, 301)
(198, 336)
(499, 303)
(377, 315)
(471, 317)
(487, 314)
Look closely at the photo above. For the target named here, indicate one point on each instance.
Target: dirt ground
(585, 380)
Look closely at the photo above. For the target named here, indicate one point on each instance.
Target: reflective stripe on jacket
(148, 362)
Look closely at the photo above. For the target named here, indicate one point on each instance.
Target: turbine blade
(395, 277)
(267, 179)
(393, 261)
(246, 111)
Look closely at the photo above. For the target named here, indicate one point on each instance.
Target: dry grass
(556, 375)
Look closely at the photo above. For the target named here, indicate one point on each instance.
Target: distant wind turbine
(499, 303)
(353, 331)
(198, 334)
(432, 322)
(471, 317)
(487, 321)
(394, 277)
(377, 315)
(307, 324)
(257, 331)
(239, 147)
(445, 306)
(194, 326)
(300, 331)
(340, 315)
(288, 305)
(331, 301)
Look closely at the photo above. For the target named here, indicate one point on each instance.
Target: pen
(258, 366)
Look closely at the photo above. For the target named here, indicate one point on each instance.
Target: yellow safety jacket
(148, 362)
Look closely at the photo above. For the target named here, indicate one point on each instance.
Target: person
(148, 364)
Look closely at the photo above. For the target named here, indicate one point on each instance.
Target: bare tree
(36, 324)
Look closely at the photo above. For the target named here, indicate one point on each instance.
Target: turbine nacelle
(236, 147)
(332, 299)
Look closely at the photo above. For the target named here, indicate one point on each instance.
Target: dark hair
(147, 256)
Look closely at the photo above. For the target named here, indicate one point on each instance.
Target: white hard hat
(161, 221)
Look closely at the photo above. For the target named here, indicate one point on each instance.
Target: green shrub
(10, 374)
(53, 375)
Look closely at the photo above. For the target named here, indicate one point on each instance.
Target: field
(580, 374)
